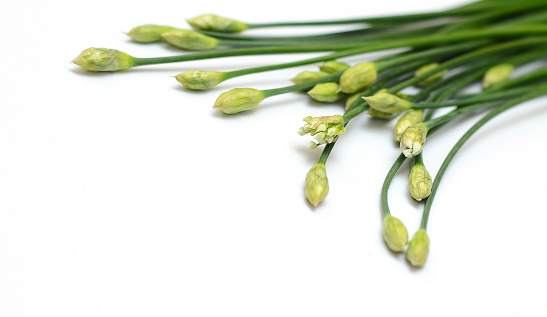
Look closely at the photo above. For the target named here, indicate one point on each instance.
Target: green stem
(283, 90)
(498, 110)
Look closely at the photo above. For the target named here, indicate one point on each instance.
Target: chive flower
(418, 248)
(386, 102)
(358, 77)
(104, 60)
(326, 92)
(409, 118)
(190, 40)
(211, 22)
(200, 80)
(419, 182)
(323, 129)
(317, 184)
(394, 233)
(413, 139)
(239, 100)
(148, 33)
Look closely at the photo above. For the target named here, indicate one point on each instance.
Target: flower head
(200, 80)
(211, 22)
(394, 233)
(190, 40)
(431, 79)
(419, 182)
(307, 76)
(386, 102)
(326, 92)
(413, 139)
(104, 60)
(239, 100)
(497, 74)
(317, 184)
(148, 33)
(409, 118)
(418, 248)
(358, 77)
(333, 67)
(324, 129)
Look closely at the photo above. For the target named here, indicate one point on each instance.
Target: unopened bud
(431, 79)
(326, 92)
(419, 182)
(358, 77)
(387, 103)
(380, 114)
(148, 33)
(418, 248)
(190, 40)
(413, 139)
(497, 74)
(317, 184)
(409, 118)
(239, 100)
(211, 22)
(104, 60)
(200, 80)
(307, 76)
(333, 67)
(394, 233)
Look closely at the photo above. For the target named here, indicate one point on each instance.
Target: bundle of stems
(442, 54)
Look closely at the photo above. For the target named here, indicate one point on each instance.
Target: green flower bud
(433, 78)
(387, 103)
(307, 76)
(333, 67)
(419, 182)
(358, 77)
(326, 92)
(413, 139)
(190, 40)
(394, 233)
(418, 248)
(324, 129)
(380, 114)
(148, 33)
(409, 118)
(317, 184)
(497, 74)
(239, 100)
(351, 99)
(104, 60)
(211, 22)
(200, 80)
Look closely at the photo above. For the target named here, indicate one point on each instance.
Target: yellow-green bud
(358, 77)
(104, 60)
(413, 139)
(351, 99)
(211, 22)
(333, 67)
(409, 118)
(387, 103)
(419, 182)
(394, 233)
(148, 33)
(190, 40)
(431, 79)
(200, 80)
(324, 129)
(380, 114)
(418, 248)
(317, 184)
(239, 100)
(497, 74)
(326, 92)
(307, 76)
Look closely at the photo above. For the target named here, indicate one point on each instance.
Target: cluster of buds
(413, 139)
(323, 129)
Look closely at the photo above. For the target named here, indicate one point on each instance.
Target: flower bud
(326, 92)
(317, 184)
(200, 80)
(307, 76)
(239, 100)
(358, 77)
(211, 22)
(324, 129)
(409, 118)
(387, 103)
(419, 182)
(103, 60)
(431, 79)
(190, 40)
(413, 139)
(497, 74)
(148, 33)
(394, 233)
(351, 99)
(332, 67)
(418, 248)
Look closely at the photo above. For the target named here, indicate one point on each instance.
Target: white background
(123, 194)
